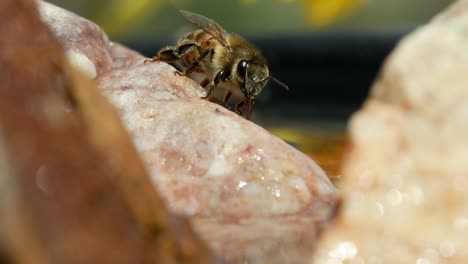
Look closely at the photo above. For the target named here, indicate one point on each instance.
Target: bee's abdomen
(203, 40)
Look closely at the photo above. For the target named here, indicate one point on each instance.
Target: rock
(253, 197)
(405, 180)
(86, 45)
(72, 187)
(236, 181)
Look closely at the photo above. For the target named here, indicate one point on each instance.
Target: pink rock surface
(249, 194)
(83, 40)
(243, 188)
(406, 177)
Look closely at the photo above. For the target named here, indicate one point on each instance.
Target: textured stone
(72, 187)
(405, 180)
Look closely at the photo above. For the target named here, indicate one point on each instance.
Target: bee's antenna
(279, 83)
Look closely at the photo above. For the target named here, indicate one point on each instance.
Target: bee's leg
(173, 53)
(208, 94)
(167, 54)
(204, 83)
(238, 106)
(219, 76)
(227, 95)
(197, 62)
(248, 107)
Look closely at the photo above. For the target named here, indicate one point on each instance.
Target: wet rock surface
(405, 179)
(236, 181)
(72, 187)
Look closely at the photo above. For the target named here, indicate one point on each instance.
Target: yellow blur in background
(324, 12)
(121, 15)
(149, 19)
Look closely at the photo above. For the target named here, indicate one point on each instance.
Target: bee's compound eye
(242, 68)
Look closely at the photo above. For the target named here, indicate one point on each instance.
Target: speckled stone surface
(247, 191)
(405, 180)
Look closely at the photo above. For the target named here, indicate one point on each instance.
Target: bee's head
(254, 77)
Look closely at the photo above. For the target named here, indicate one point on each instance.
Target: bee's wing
(209, 26)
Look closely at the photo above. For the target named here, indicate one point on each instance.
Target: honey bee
(220, 57)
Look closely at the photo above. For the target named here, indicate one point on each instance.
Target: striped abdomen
(204, 40)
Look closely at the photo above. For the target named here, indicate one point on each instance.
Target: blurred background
(327, 51)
